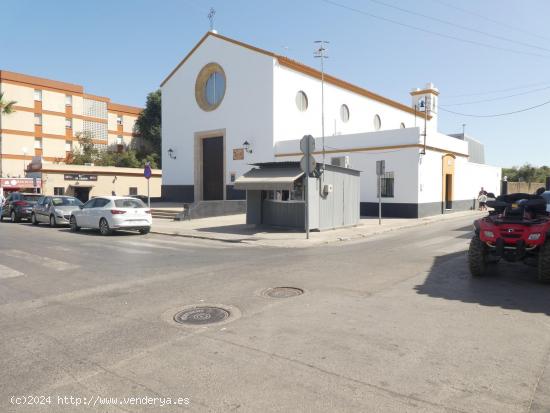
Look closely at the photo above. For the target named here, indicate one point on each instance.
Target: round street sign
(307, 144)
(304, 163)
(147, 170)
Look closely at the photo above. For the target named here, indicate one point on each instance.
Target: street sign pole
(147, 174)
(380, 170)
(307, 164)
(306, 192)
(379, 199)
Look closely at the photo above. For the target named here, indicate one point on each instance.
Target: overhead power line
(495, 99)
(490, 92)
(459, 26)
(498, 114)
(443, 35)
(508, 26)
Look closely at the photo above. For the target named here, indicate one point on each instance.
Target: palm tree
(6, 107)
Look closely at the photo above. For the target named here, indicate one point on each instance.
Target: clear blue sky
(123, 49)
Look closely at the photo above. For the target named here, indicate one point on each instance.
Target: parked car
(143, 198)
(18, 206)
(546, 196)
(55, 210)
(110, 213)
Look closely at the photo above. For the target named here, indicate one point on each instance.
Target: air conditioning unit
(341, 161)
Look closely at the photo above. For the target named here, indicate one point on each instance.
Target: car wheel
(104, 227)
(74, 226)
(144, 231)
(33, 219)
(13, 217)
(53, 222)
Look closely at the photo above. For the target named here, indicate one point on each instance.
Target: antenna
(211, 15)
(320, 52)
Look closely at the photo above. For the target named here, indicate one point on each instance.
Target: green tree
(6, 107)
(86, 151)
(148, 128)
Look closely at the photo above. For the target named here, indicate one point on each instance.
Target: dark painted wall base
(234, 194)
(404, 210)
(186, 193)
(178, 193)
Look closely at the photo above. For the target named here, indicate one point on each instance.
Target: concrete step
(205, 209)
(164, 213)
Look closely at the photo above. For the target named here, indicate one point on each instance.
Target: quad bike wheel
(544, 263)
(477, 257)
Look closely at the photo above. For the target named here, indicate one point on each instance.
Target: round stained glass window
(210, 87)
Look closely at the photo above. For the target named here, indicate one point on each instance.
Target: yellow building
(48, 116)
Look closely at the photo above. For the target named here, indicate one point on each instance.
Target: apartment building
(48, 116)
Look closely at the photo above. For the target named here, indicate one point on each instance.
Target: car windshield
(129, 203)
(30, 197)
(58, 201)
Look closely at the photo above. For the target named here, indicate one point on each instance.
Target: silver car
(54, 210)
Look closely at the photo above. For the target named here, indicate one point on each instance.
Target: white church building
(228, 104)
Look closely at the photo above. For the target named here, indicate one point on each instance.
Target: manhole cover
(283, 292)
(201, 315)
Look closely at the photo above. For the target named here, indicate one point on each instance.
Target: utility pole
(320, 52)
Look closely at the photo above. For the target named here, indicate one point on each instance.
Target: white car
(109, 213)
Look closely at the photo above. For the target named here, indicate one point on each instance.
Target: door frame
(448, 168)
(198, 160)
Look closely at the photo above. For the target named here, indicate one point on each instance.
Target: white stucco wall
(290, 123)
(246, 112)
(402, 162)
(470, 177)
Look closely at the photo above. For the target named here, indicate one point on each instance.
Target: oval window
(344, 113)
(377, 122)
(301, 101)
(210, 87)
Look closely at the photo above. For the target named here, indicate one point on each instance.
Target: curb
(343, 238)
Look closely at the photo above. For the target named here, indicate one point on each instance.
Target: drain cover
(201, 315)
(283, 292)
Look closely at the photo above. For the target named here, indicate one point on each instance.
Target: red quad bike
(517, 230)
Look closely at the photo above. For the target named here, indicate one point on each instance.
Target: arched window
(377, 122)
(344, 113)
(301, 101)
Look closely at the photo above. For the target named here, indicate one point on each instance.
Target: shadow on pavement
(95, 232)
(506, 285)
(244, 229)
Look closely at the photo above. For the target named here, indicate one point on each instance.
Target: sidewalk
(233, 228)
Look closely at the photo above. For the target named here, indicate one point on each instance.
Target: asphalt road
(390, 324)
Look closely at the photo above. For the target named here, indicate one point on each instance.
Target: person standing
(482, 200)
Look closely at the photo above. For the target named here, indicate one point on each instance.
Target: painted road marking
(7, 272)
(40, 260)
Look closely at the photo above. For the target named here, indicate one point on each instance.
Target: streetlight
(25, 150)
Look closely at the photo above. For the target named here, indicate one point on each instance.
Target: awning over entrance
(268, 179)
